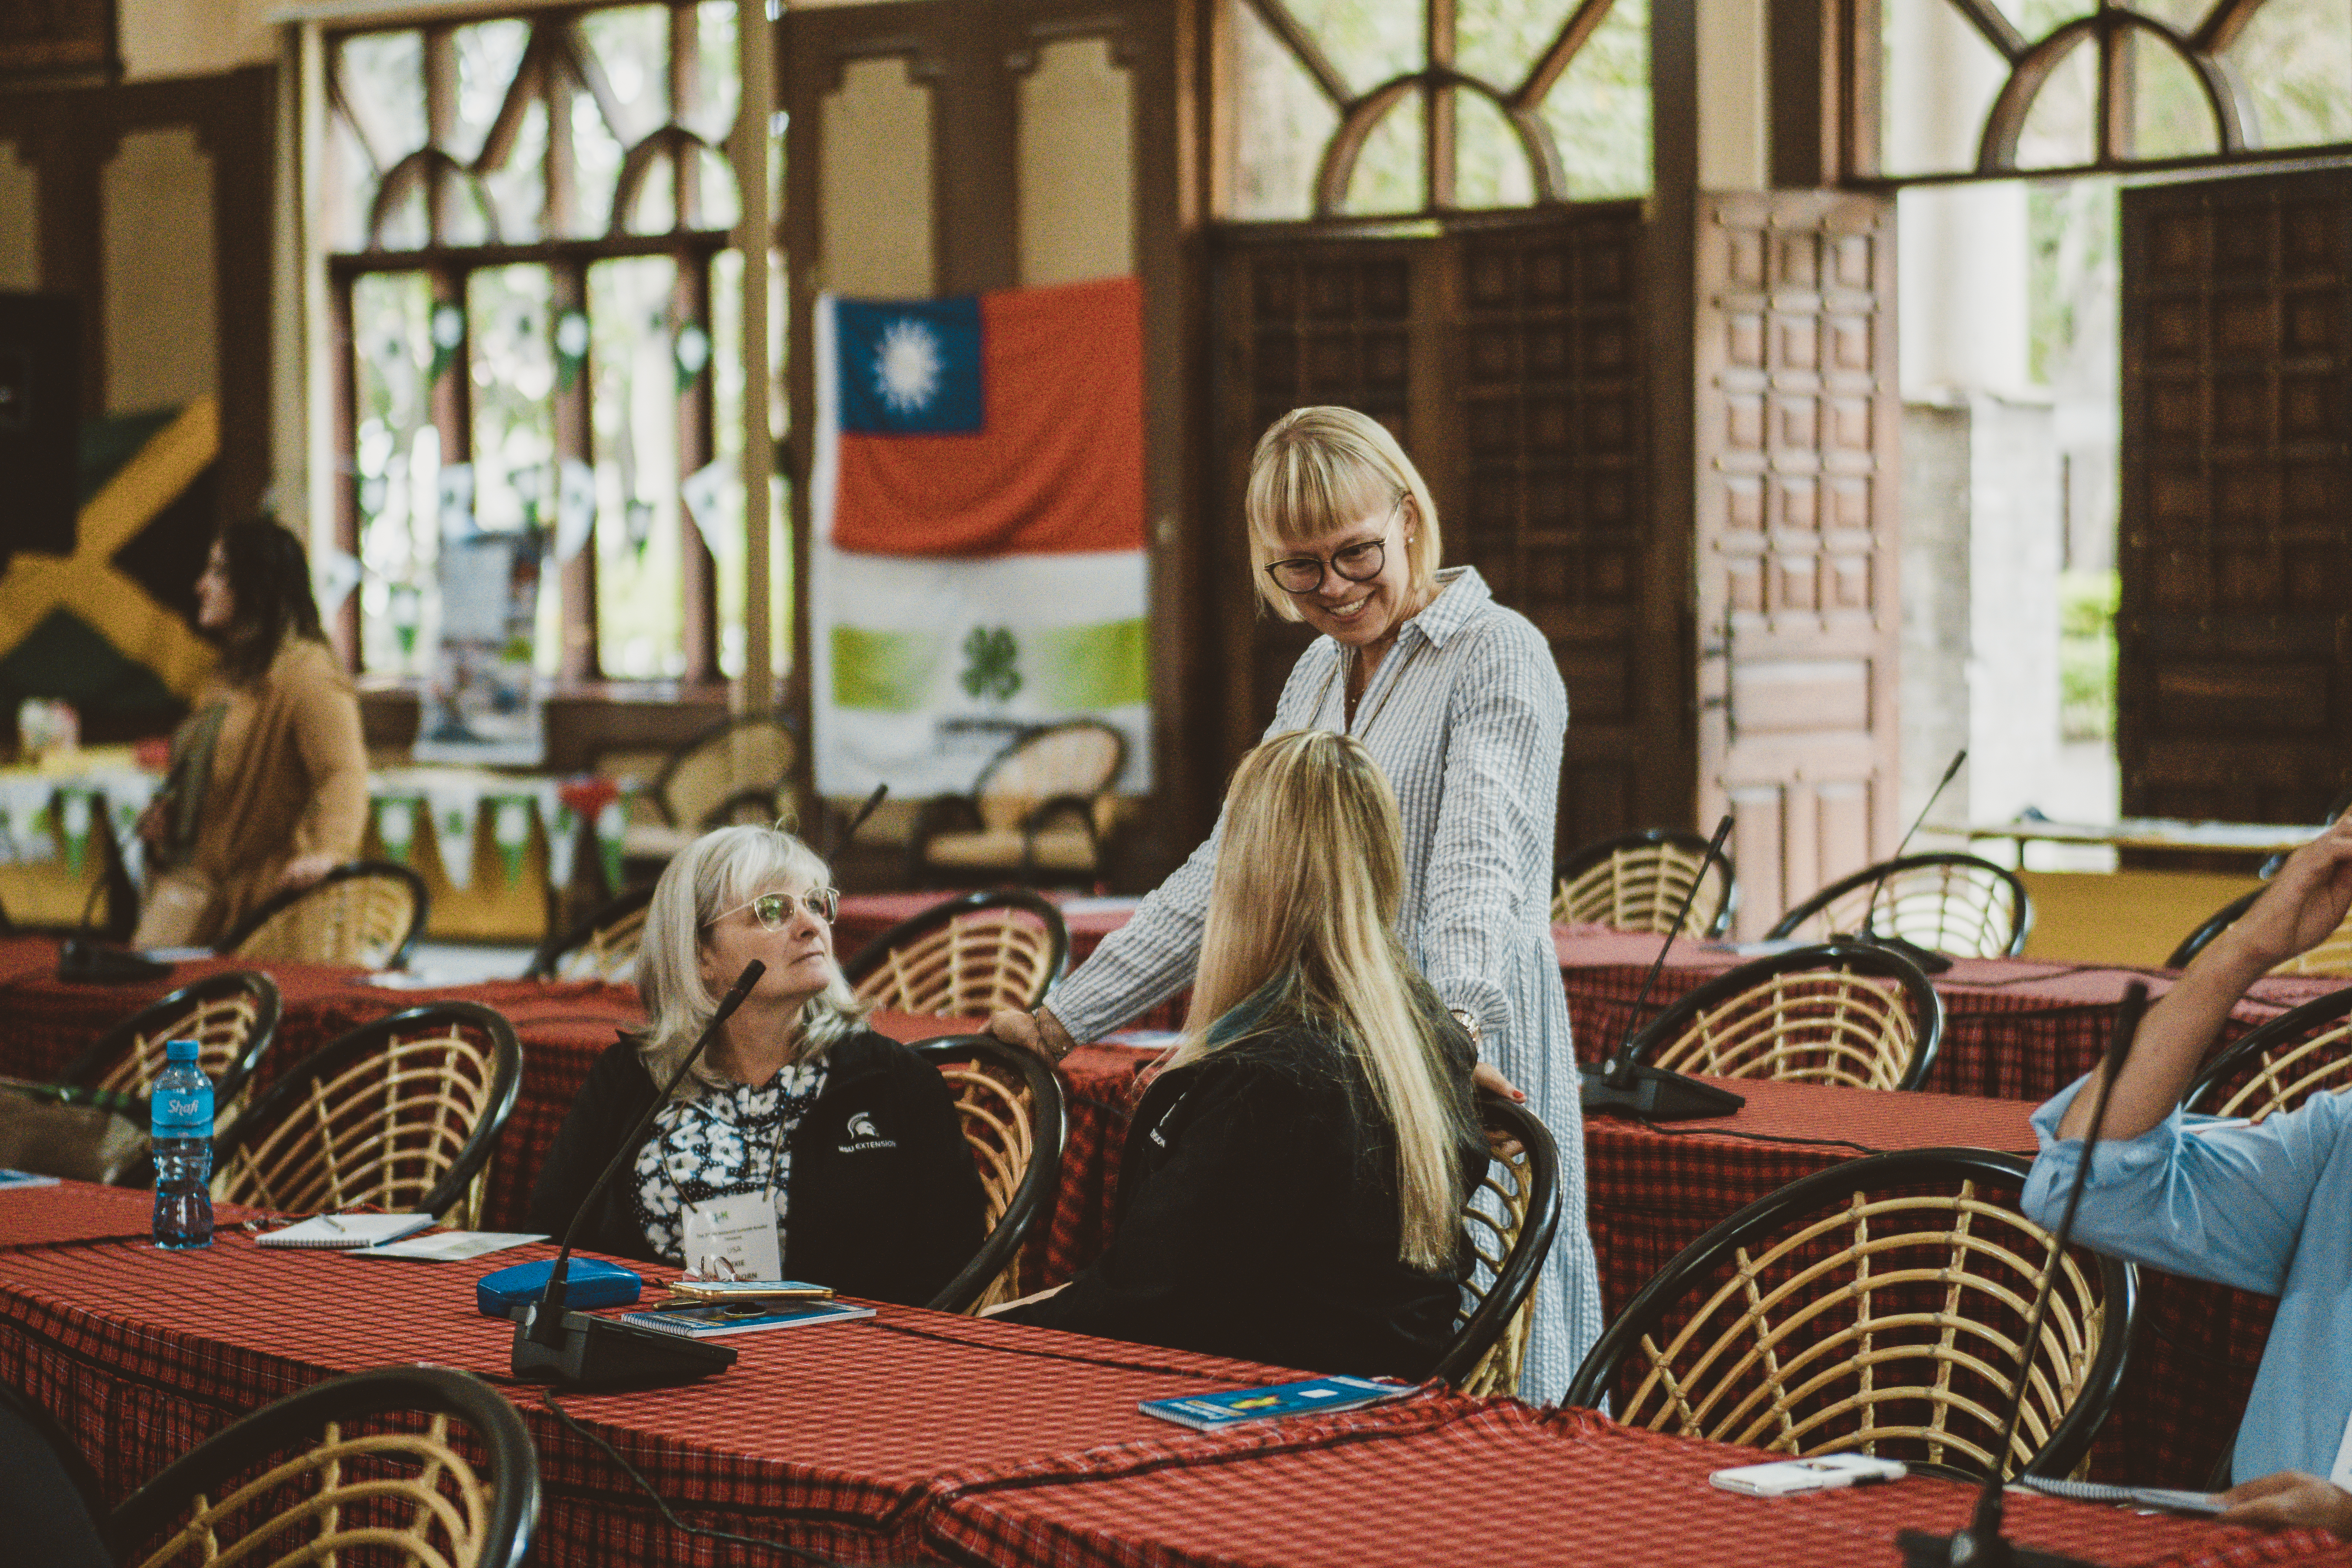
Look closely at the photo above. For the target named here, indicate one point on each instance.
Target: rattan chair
(601, 947)
(1841, 1013)
(738, 771)
(233, 1018)
(1636, 881)
(1878, 1306)
(2278, 1066)
(402, 1114)
(1039, 812)
(363, 912)
(1511, 1234)
(417, 1463)
(965, 957)
(1010, 1103)
(1952, 903)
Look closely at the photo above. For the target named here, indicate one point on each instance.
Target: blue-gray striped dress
(1466, 715)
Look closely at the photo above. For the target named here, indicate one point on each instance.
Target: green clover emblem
(992, 663)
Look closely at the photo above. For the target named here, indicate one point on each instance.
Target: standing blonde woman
(1293, 1183)
(1458, 701)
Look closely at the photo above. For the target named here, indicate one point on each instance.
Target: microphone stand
(1929, 960)
(1635, 1088)
(552, 1345)
(1981, 1544)
(840, 841)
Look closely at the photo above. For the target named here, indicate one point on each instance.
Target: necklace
(1347, 721)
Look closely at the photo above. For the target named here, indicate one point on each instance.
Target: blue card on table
(1238, 1406)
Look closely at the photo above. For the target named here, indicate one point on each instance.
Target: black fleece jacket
(884, 1202)
(1258, 1218)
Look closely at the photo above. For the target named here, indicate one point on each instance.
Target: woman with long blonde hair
(1459, 701)
(1293, 1183)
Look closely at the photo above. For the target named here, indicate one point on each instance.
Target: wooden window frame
(555, 64)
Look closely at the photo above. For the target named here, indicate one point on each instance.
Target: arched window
(1348, 107)
(528, 222)
(1993, 88)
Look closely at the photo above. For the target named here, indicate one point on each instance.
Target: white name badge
(740, 1230)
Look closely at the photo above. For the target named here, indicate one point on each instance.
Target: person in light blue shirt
(2264, 1207)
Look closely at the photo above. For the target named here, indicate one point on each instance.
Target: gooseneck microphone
(1981, 1544)
(1929, 960)
(552, 1345)
(840, 841)
(1635, 1088)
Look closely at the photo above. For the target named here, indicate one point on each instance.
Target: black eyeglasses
(1356, 563)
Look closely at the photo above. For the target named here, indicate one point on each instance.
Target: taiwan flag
(978, 560)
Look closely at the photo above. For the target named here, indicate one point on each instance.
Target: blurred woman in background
(267, 786)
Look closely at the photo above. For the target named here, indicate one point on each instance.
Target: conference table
(1652, 1189)
(915, 1436)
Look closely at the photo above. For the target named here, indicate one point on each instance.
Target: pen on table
(333, 1223)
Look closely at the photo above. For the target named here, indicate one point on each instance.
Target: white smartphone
(1817, 1474)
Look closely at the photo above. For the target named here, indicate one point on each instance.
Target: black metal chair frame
(1819, 1192)
(86, 1069)
(506, 1085)
(867, 959)
(1786, 926)
(657, 791)
(294, 1423)
(2219, 920)
(1583, 859)
(550, 952)
(1926, 1005)
(961, 813)
(1049, 1131)
(2287, 1028)
(1476, 1334)
(269, 907)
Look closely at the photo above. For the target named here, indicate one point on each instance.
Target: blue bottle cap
(181, 1051)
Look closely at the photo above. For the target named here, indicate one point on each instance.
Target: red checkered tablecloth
(1454, 1480)
(829, 1438)
(75, 1213)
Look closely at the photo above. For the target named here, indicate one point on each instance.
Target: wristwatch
(1469, 1021)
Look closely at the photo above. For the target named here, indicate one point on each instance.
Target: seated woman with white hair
(802, 1145)
(1293, 1183)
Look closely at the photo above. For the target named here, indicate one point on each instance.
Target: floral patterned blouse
(724, 1140)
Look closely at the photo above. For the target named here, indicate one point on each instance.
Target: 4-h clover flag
(978, 565)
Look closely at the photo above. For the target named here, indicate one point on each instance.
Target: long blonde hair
(1309, 877)
(1317, 469)
(722, 870)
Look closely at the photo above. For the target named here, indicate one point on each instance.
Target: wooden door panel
(1796, 536)
(2235, 672)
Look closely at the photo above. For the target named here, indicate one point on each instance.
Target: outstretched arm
(2302, 907)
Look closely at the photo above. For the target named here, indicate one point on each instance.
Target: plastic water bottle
(180, 1119)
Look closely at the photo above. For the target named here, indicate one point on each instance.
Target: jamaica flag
(110, 627)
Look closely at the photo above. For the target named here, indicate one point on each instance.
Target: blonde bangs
(1318, 469)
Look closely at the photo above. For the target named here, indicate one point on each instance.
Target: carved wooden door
(2234, 636)
(1796, 523)
(1507, 355)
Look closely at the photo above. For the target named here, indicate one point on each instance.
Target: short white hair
(722, 871)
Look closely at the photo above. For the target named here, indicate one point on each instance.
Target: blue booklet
(1239, 1407)
(697, 1321)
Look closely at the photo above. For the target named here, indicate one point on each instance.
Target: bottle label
(181, 1108)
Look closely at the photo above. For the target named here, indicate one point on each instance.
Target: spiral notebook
(337, 1231)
